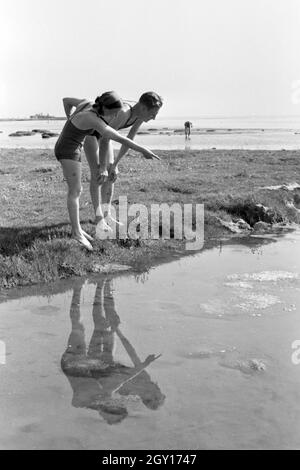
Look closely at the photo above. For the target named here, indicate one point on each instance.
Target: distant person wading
(89, 120)
(187, 129)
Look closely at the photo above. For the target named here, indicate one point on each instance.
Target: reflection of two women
(98, 382)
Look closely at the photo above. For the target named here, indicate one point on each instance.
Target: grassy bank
(35, 244)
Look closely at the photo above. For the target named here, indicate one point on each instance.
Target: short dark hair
(151, 100)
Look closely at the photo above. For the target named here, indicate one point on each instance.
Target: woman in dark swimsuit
(88, 121)
(101, 151)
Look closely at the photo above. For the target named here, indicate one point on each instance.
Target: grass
(35, 244)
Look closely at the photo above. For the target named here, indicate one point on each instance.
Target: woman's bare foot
(87, 236)
(83, 241)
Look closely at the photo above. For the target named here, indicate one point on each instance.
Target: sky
(204, 57)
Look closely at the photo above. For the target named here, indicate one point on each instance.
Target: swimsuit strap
(92, 111)
(126, 123)
(99, 116)
(79, 110)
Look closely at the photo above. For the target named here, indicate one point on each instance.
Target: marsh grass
(35, 244)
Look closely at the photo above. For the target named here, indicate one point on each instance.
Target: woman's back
(77, 127)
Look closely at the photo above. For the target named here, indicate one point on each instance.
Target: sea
(208, 132)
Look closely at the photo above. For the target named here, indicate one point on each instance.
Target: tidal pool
(197, 354)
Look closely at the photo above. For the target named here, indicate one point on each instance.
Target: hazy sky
(205, 57)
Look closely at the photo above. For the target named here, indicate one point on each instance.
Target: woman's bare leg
(72, 174)
(108, 186)
(107, 191)
(91, 149)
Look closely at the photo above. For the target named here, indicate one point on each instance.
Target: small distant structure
(187, 129)
(40, 116)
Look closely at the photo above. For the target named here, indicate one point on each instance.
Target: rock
(235, 227)
(256, 364)
(242, 224)
(47, 135)
(263, 213)
(21, 134)
(40, 131)
(246, 367)
(262, 227)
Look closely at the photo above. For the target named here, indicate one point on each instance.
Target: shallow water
(219, 133)
(83, 369)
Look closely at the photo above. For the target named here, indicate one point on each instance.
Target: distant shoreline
(34, 119)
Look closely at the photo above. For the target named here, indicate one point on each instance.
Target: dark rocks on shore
(262, 227)
(252, 212)
(21, 133)
(234, 226)
(210, 130)
(45, 134)
(39, 131)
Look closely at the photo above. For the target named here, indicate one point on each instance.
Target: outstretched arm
(131, 135)
(109, 133)
(70, 103)
(113, 168)
(105, 153)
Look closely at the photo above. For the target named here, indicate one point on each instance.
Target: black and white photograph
(149, 227)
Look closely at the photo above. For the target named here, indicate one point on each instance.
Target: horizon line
(178, 116)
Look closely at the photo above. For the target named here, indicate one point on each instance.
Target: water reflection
(187, 145)
(97, 380)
